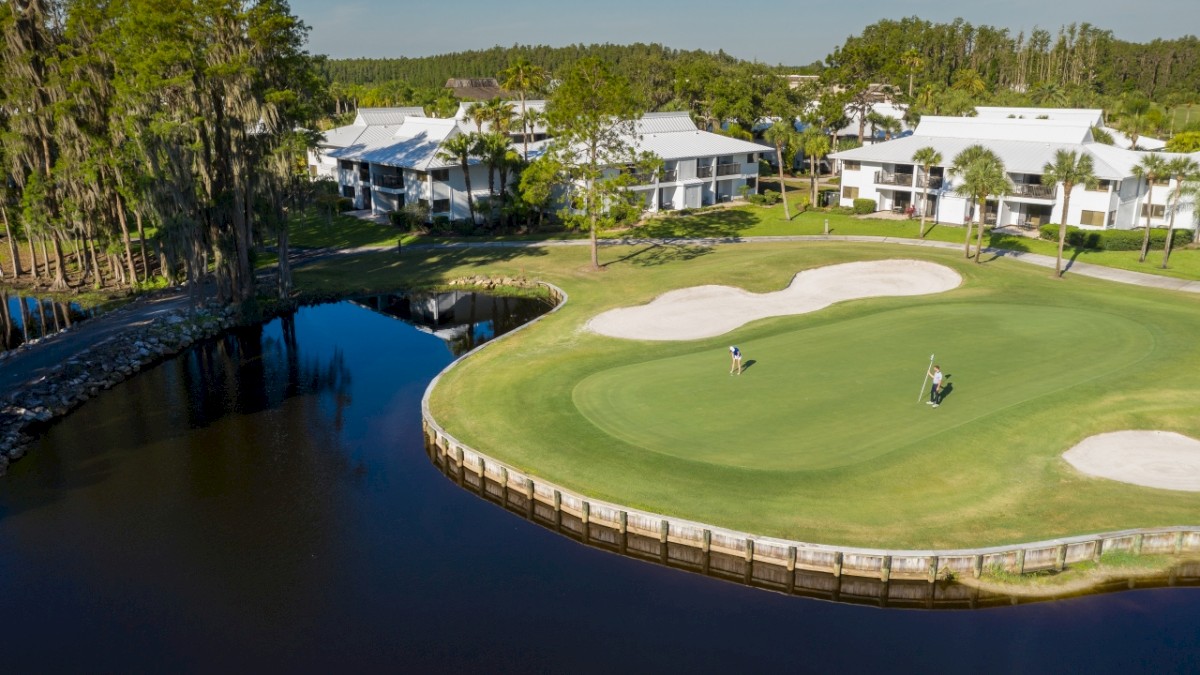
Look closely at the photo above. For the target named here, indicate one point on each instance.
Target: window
(1101, 186)
(348, 192)
(851, 166)
(1156, 210)
(1095, 218)
(849, 192)
(348, 166)
(440, 174)
(440, 206)
(750, 158)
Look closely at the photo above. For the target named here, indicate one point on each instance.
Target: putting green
(838, 394)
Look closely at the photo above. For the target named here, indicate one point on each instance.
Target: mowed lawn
(822, 438)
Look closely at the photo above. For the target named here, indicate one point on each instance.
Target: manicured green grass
(822, 438)
(756, 221)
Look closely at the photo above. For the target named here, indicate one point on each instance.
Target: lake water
(41, 317)
(264, 501)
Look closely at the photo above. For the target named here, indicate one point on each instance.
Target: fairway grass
(822, 438)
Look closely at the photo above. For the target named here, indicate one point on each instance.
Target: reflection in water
(270, 506)
(693, 557)
(24, 318)
(462, 319)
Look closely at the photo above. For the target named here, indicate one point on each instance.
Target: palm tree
(1151, 168)
(1181, 168)
(911, 60)
(493, 149)
(783, 136)
(522, 76)
(891, 126)
(816, 146)
(970, 81)
(477, 113)
(1070, 170)
(461, 148)
(927, 157)
(499, 113)
(982, 175)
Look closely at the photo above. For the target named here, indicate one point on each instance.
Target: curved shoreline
(520, 489)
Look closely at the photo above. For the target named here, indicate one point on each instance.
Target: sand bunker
(707, 311)
(1158, 459)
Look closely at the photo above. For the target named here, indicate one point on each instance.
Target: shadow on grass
(385, 270)
(746, 366)
(675, 235)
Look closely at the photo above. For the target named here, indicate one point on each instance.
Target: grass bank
(821, 440)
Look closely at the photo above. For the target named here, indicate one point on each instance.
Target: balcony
(1034, 191)
(729, 170)
(932, 182)
(893, 178)
(389, 181)
(704, 172)
(669, 175)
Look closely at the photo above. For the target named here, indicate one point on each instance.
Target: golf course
(826, 437)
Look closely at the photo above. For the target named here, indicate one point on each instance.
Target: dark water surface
(264, 501)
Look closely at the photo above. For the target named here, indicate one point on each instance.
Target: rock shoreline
(26, 411)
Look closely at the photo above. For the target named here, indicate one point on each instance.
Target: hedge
(1115, 240)
(864, 206)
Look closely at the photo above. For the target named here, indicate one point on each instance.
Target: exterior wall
(419, 186)
(693, 182)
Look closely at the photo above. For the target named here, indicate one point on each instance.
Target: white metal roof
(386, 116)
(341, 137)
(695, 143)
(664, 122)
(1005, 129)
(1018, 156)
(1090, 116)
(1144, 142)
(412, 145)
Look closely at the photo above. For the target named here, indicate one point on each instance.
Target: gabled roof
(673, 135)
(1018, 156)
(341, 137)
(412, 145)
(664, 122)
(1144, 142)
(1005, 129)
(382, 116)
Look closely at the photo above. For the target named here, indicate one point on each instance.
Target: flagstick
(926, 379)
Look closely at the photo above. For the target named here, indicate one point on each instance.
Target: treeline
(433, 71)
(177, 117)
(661, 76)
(1079, 60)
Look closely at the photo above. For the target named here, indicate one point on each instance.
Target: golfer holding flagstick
(935, 391)
(937, 381)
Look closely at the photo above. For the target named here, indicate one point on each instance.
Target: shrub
(864, 206)
(801, 205)
(771, 197)
(1114, 240)
(345, 204)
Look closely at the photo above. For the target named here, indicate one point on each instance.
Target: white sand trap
(707, 311)
(1158, 459)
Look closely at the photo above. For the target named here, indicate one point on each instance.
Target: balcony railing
(389, 181)
(932, 182)
(1034, 191)
(704, 172)
(892, 178)
(729, 169)
(669, 175)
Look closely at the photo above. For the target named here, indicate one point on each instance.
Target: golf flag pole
(922, 389)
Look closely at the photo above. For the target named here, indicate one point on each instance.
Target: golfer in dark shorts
(935, 392)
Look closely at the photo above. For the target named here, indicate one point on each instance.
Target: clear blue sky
(773, 32)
